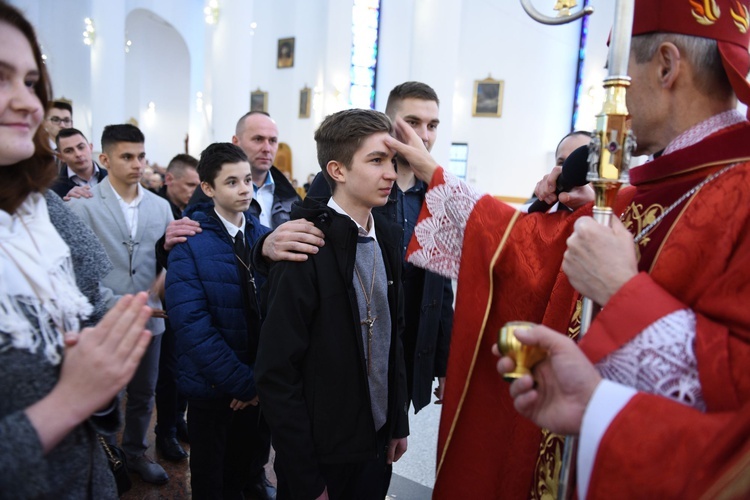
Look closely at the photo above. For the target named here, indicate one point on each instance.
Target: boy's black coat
(310, 369)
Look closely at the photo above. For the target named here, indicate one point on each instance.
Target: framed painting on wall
(259, 101)
(488, 98)
(305, 98)
(285, 53)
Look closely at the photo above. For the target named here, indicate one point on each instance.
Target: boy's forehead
(422, 108)
(134, 148)
(73, 140)
(239, 169)
(374, 143)
(61, 113)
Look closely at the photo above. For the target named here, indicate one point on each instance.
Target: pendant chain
(682, 198)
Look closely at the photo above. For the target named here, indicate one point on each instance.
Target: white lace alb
(441, 235)
(660, 360)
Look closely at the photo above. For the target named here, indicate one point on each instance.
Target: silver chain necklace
(682, 198)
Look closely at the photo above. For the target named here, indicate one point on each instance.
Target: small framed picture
(305, 98)
(488, 98)
(285, 53)
(259, 101)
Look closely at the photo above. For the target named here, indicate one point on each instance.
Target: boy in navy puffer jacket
(214, 310)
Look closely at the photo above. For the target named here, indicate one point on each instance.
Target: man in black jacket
(79, 172)
(258, 136)
(182, 180)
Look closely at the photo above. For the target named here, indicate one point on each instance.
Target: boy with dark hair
(214, 312)
(410, 90)
(128, 220)
(330, 369)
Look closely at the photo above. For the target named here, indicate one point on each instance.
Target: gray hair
(709, 75)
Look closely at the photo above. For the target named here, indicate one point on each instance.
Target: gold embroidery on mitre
(548, 465)
(636, 218)
(706, 12)
(741, 17)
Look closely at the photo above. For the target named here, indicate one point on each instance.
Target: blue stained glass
(364, 59)
(579, 71)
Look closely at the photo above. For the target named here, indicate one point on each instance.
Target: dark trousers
(367, 480)
(222, 444)
(170, 406)
(262, 437)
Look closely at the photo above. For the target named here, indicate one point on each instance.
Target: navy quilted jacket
(207, 312)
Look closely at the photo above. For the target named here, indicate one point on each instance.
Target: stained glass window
(365, 24)
(579, 72)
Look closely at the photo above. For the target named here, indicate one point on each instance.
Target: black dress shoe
(150, 471)
(170, 449)
(182, 431)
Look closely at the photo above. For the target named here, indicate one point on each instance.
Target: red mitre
(726, 21)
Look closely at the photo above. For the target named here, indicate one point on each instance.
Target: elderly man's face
(646, 106)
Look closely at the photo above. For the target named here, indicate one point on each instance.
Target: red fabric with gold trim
(724, 20)
(698, 257)
(485, 448)
(727, 21)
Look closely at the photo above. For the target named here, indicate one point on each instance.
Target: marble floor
(413, 475)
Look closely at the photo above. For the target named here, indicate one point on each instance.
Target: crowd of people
(248, 318)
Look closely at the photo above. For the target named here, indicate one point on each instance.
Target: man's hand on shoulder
(79, 192)
(178, 231)
(293, 241)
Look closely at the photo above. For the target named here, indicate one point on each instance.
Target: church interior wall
(211, 70)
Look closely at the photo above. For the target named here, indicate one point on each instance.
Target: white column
(108, 78)
(338, 52)
(228, 53)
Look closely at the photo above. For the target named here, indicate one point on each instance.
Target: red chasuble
(658, 449)
(697, 256)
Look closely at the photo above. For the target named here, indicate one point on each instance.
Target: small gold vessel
(525, 356)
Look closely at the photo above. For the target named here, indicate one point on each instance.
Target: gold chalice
(525, 356)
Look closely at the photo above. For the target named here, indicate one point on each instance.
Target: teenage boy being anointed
(330, 370)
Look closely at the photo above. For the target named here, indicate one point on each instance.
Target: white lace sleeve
(660, 360)
(441, 234)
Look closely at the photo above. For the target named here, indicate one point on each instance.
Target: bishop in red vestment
(678, 326)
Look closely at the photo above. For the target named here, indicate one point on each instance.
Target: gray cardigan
(76, 467)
